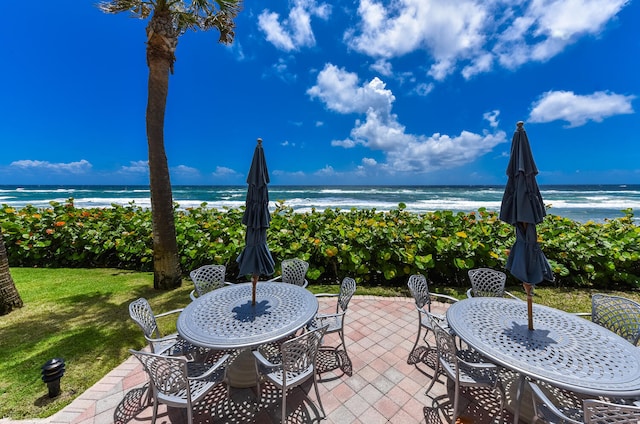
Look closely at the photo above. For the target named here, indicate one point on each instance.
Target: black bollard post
(52, 371)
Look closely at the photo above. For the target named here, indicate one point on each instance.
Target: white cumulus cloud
(379, 129)
(295, 31)
(223, 171)
(577, 109)
(139, 166)
(474, 35)
(78, 167)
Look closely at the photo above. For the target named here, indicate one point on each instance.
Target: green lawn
(81, 315)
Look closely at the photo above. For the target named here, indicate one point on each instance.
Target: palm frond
(185, 15)
(138, 8)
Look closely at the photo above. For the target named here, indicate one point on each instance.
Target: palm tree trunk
(160, 57)
(9, 296)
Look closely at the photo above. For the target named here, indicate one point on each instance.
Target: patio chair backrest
(141, 312)
(208, 278)
(299, 354)
(168, 373)
(618, 314)
(347, 289)
(419, 289)
(567, 408)
(294, 271)
(446, 348)
(601, 412)
(487, 282)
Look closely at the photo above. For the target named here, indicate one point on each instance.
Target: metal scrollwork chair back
(142, 314)
(207, 278)
(465, 367)
(334, 323)
(294, 271)
(566, 411)
(180, 383)
(487, 282)
(601, 412)
(618, 314)
(419, 289)
(296, 364)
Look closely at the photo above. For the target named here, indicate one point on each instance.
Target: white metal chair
(294, 271)
(487, 282)
(466, 368)
(171, 344)
(567, 411)
(179, 383)
(600, 412)
(419, 289)
(297, 364)
(207, 278)
(618, 314)
(335, 322)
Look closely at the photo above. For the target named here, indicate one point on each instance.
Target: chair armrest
(262, 360)
(164, 314)
(582, 314)
(326, 295)
(327, 316)
(223, 359)
(192, 295)
(512, 295)
(444, 296)
(279, 277)
(166, 338)
(469, 295)
(478, 365)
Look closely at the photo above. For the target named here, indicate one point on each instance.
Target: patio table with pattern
(225, 319)
(564, 350)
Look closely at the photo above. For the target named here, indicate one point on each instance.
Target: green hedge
(380, 248)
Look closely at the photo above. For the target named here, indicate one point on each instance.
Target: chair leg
(503, 400)
(315, 383)
(417, 339)
(284, 405)
(436, 371)
(155, 410)
(189, 414)
(344, 346)
(455, 403)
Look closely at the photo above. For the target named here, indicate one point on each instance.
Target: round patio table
(225, 319)
(564, 349)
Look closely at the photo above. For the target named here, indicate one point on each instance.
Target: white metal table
(564, 350)
(225, 319)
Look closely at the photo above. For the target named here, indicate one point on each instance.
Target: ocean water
(578, 202)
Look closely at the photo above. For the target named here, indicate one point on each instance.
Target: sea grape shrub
(375, 247)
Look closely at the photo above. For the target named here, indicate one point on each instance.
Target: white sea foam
(581, 203)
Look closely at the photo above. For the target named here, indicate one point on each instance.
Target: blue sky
(342, 92)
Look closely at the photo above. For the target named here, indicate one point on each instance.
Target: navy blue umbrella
(255, 259)
(522, 207)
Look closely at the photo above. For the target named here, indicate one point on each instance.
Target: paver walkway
(380, 387)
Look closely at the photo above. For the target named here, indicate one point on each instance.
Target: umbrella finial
(520, 124)
(259, 141)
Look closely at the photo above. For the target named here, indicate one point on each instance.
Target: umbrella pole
(529, 289)
(254, 282)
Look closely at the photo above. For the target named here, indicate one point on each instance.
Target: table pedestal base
(525, 408)
(242, 370)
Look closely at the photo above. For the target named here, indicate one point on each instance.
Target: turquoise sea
(578, 202)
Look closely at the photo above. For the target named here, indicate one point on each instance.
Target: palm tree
(169, 20)
(9, 296)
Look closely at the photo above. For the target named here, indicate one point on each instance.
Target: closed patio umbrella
(255, 259)
(522, 207)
